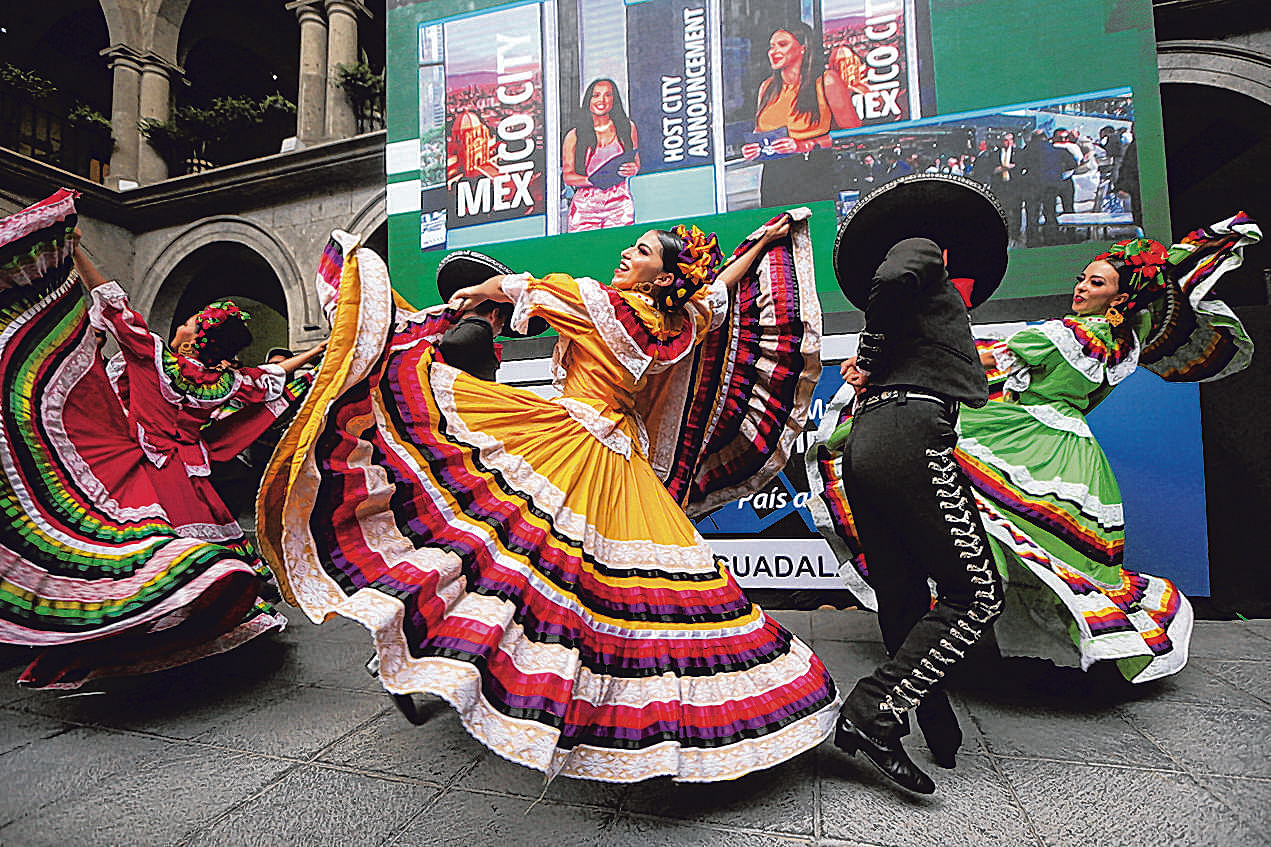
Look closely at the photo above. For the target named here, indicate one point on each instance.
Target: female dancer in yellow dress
(530, 561)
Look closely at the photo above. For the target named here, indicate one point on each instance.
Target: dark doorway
(1218, 155)
(217, 271)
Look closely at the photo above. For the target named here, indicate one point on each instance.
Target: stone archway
(121, 22)
(227, 270)
(156, 298)
(164, 28)
(1216, 102)
(371, 222)
(372, 215)
(1218, 64)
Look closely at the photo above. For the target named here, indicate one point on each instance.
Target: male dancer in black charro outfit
(913, 508)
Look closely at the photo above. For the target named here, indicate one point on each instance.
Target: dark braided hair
(224, 342)
(671, 245)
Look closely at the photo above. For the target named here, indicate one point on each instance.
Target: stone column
(341, 50)
(156, 102)
(125, 99)
(311, 97)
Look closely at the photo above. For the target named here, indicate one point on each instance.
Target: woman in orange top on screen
(797, 107)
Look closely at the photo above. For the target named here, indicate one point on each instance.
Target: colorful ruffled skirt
(1052, 508)
(505, 559)
(92, 570)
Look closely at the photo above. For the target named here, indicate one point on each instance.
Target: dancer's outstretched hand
(854, 376)
(465, 298)
(780, 228)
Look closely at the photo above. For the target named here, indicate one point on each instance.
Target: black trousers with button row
(916, 519)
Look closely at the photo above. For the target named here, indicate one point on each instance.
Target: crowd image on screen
(1058, 172)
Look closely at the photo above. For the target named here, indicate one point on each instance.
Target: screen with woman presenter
(551, 133)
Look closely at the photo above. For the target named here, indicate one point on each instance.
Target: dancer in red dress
(171, 396)
(105, 560)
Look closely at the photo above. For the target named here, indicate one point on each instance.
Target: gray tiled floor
(288, 741)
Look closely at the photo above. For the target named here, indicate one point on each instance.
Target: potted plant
(171, 139)
(365, 90)
(277, 117)
(194, 135)
(95, 128)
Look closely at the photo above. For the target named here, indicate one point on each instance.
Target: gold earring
(1114, 316)
(186, 348)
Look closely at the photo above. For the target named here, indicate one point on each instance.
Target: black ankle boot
(891, 758)
(940, 728)
(406, 705)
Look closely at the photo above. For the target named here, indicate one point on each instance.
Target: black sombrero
(468, 267)
(957, 213)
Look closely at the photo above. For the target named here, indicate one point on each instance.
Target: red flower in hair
(214, 315)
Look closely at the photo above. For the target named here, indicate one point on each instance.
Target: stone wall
(282, 208)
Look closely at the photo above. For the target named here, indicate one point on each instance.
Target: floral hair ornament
(1146, 260)
(696, 266)
(213, 315)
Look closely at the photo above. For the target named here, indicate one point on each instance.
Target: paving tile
(11, 694)
(435, 751)
(845, 625)
(1228, 640)
(972, 740)
(1047, 732)
(1209, 739)
(333, 654)
(848, 661)
(1032, 682)
(496, 773)
(656, 832)
(1248, 799)
(1253, 678)
(798, 622)
(296, 721)
(318, 806)
(781, 798)
(1209, 682)
(464, 817)
(1077, 804)
(18, 729)
(66, 765)
(1187, 759)
(972, 805)
(169, 793)
(1258, 626)
(179, 703)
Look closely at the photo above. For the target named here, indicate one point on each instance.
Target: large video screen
(540, 129)
(551, 133)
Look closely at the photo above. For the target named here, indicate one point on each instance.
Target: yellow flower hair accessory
(696, 266)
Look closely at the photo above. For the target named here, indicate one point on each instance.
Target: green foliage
(26, 82)
(360, 82)
(83, 115)
(276, 104)
(365, 90)
(170, 139)
(191, 129)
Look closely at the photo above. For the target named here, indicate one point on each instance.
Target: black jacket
(469, 346)
(926, 331)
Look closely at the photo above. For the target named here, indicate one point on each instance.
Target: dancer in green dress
(1045, 492)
